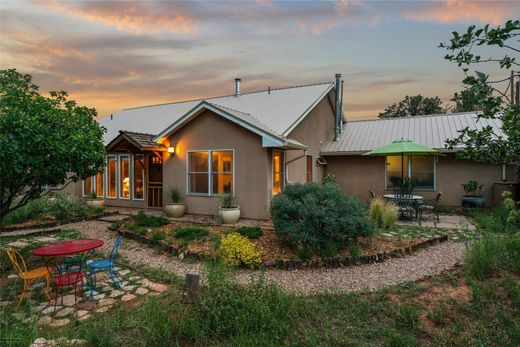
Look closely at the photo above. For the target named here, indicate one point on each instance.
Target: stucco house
(253, 144)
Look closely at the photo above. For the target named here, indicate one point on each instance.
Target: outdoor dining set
(412, 207)
(67, 265)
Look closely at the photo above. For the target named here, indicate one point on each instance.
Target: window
(112, 176)
(278, 166)
(210, 172)
(422, 168)
(99, 185)
(138, 177)
(87, 186)
(93, 184)
(124, 177)
(309, 168)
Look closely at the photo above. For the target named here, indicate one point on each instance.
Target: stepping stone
(154, 294)
(106, 302)
(129, 288)
(45, 320)
(128, 297)
(141, 291)
(18, 244)
(44, 239)
(157, 287)
(103, 309)
(58, 323)
(12, 276)
(65, 312)
(134, 278)
(145, 282)
(39, 342)
(68, 300)
(116, 293)
(124, 272)
(40, 307)
(50, 309)
(85, 317)
(99, 296)
(81, 313)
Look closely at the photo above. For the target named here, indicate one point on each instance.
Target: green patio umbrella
(403, 147)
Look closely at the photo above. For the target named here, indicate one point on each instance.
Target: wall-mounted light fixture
(171, 149)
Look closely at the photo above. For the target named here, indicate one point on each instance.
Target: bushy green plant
(238, 250)
(513, 208)
(175, 195)
(190, 233)
(383, 213)
(250, 232)
(158, 235)
(328, 178)
(227, 201)
(494, 220)
(311, 215)
(472, 188)
(144, 220)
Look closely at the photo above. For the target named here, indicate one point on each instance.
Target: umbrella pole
(402, 171)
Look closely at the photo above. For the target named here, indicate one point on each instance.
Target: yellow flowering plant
(237, 249)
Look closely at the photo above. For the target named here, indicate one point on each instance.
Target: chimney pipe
(337, 107)
(341, 109)
(237, 86)
(269, 90)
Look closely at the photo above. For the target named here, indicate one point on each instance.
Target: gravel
(424, 263)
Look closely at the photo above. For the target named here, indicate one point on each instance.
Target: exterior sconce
(171, 150)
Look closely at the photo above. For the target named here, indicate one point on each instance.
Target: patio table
(417, 201)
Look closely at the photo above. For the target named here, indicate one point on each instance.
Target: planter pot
(175, 210)
(95, 203)
(229, 215)
(473, 201)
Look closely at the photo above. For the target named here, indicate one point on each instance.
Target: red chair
(68, 279)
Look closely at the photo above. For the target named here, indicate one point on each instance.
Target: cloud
(125, 16)
(463, 11)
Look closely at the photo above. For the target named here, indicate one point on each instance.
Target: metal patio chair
(431, 206)
(406, 206)
(73, 278)
(106, 265)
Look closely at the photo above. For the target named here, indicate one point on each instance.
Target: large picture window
(138, 177)
(278, 171)
(210, 172)
(422, 168)
(112, 176)
(124, 177)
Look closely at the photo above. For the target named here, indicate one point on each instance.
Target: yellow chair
(28, 276)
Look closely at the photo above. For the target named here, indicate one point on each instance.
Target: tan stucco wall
(209, 131)
(357, 175)
(313, 131)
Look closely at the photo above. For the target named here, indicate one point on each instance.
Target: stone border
(55, 223)
(282, 264)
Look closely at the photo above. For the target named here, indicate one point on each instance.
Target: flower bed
(274, 253)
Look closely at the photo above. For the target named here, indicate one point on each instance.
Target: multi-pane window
(278, 172)
(309, 168)
(422, 168)
(93, 185)
(210, 172)
(87, 186)
(112, 176)
(124, 176)
(138, 177)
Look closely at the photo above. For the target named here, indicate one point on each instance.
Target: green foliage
(355, 251)
(311, 215)
(253, 232)
(512, 207)
(472, 188)
(144, 220)
(158, 235)
(494, 220)
(227, 201)
(328, 179)
(45, 141)
(413, 106)
(485, 145)
(175, 195)
(439, 314)
(469, 99)
(383, 213)
(191, 233)
(238, 250)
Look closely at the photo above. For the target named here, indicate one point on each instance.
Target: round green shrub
(313, 215)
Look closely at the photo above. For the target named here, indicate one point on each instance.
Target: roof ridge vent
(237, 86)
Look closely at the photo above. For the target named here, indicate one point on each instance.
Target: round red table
(68, 247)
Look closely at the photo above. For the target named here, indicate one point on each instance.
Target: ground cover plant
(253, 232)
(142, 222)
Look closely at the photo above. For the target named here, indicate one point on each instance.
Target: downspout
(287, 166)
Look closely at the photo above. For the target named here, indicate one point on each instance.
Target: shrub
(158, 235)
(311, 215)
(328, 178)
(237, 249)
(250, 232)
(494, 220)
(144, 220)
(227, 201)
(512, 207)
(190, 233)
(175, 195)
(384, 214)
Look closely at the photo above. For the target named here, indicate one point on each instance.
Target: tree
(468, 100)
(486, 145)
(45, 141)
(413, 106)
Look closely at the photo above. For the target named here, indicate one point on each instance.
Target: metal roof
(432, 131)
(278, 110)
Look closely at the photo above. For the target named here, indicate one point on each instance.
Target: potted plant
(229, 211)
(94, 201)
(176, 207)
(473, 196)
(408, 184)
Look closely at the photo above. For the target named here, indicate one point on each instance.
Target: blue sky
(117, 54)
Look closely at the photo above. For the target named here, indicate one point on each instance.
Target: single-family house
(253, 144)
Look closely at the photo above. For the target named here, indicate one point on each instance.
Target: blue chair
(106, 265)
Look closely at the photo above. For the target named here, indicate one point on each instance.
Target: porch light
(171, 149)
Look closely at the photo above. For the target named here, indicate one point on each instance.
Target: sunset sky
(114, 55)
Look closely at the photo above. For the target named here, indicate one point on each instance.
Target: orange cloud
(449, 11)
(132, 17)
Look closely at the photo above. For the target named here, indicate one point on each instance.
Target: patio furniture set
(66, 266)
(412, 207)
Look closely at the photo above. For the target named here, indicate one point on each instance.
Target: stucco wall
(209, 131)
(313, 131)
(357, 175)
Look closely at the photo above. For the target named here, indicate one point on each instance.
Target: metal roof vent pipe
(337, 107)
(237, 86)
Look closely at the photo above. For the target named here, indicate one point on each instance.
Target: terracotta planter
(175, 210)
(95, 203)
(229, 215)
(473, 201)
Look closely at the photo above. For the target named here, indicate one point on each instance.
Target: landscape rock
(116, 293)
(65, 312)
(18, 244)
(69, 300)
(124, 272)
(85, 317)
(45, 320)
(81, 313)
(141, 291)
(128, 297)
(50, 309)
(157, 287)
(58, 323)
(99, 296)
(106, 302)
(103, 309)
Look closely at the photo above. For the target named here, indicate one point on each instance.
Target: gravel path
(426, 262)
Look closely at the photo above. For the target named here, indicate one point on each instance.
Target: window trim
(423, 189)
(210, 159)
(132, 185)
(115, 157)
